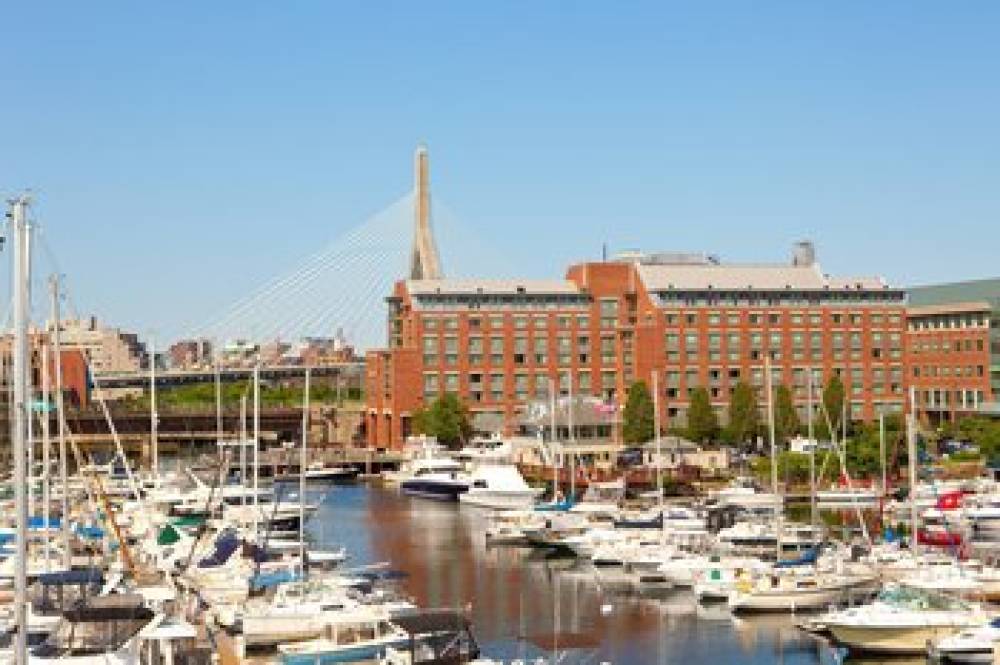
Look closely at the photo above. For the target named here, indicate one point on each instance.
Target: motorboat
(602, 499)
(508, 527)
(847, 495)
(317, 471)
(902, 620)
(500, 487)
(971, 645)
(745, 492)
(350, 636)
(436, 478)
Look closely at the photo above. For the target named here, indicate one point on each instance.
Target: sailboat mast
(256, 446)
(20, 380)
(303, 460)
(656, 434)
(881, 448)
(243, 449)
(153, 418)
(778, 504)
(911, 453)
(552, 419)
(61, 422)
(46, 462)
(812, 447)
(572, 439)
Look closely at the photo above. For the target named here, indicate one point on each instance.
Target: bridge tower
(424, 262)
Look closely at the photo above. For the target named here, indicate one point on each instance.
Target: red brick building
(953, 349)
(690, 319)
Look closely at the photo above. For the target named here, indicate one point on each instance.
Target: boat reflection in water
(525, 604)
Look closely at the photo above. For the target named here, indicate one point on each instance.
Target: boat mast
(812, 448)
(20, 380)
(656, 434)
(61, 422)
(256, 447)
(303, 457)
(881, 448)
(778, 504)
(153, 418)
(552, 420)
(46, 495)
(911, 453)
(572, 439)
(218, 396)
(243, 449)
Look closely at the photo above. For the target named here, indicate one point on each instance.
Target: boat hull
(433, 489)
(896, 640)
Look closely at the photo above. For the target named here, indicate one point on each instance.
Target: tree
(786, 420)
(703, 424)
(744, 415)
(638, 418)
(446, 419)
(833, 404)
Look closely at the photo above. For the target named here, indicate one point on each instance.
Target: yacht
(320, 472)
(601, 499)
(792, 590)
(499, 486)
(744, 492)
(902, 620)
(436, 478)
(362, 634)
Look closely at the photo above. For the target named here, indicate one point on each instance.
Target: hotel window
(757, 376)
(521, 387)
(541, 346)
(754, 318)
(774, 318)
(756, 340)
(857, 380)
(691, 380)
(815, 319)
(733, 319)
(430, 386)
(691, 341)
(520, 350)
(451, 383)
(430, 323)
(475, 350)
(714, 319)
(671, 318)
(691, 318)
(583, 382)
(583, 348)
(714, 341)
(673, 341)
(451, 323)
(855, 319)
(520, 322)
(541, 386)
(450, 350)
(837, 318)
(798, 340)
(563, 321)
(496, 387)
(774, 341)
(582, 321)
(474, 322)
(565, 349)
(496, 350)
(609, 312)
(855, 340)
(607, 350)
(608, 381)
(496, 322)
(876, 319)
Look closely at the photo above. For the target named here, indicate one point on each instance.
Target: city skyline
(270, 132)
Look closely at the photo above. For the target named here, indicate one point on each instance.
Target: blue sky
(183, 153)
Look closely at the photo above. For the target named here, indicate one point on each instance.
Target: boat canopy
(68, 577)
(118, 607)
(168, 536)
(808, 558)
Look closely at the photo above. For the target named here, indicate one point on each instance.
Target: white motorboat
(744, 492)
(971, 645)
(794, 590)
(436, 478)
(602, 499)
(500, 487)
(508, 527)
(359, 635)
(318, 471)
(902, 620)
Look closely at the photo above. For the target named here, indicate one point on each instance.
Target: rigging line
(291, 280)
(361, 307)
(307, 311)
(360, 234)
(355, 300)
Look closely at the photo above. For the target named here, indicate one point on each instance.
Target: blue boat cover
(90, 532)
(79, 576)
(38, 522)
(265, 580)
(559, 506)
(807, 559)
(224, 548)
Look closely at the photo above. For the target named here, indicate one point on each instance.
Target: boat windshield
(909, 598)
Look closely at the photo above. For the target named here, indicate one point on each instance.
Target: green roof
(954, 292)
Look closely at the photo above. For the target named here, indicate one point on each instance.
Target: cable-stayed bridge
(342, 287)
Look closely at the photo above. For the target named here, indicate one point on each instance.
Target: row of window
(786, 298)
(966, 399)
(946, 346)
(756, 339)
(930, 371)
(949, 321)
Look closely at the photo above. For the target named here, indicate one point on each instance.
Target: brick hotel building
(691, 319)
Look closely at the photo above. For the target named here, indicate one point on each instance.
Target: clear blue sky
(184, 152)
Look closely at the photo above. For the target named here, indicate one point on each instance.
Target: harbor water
(527, 605)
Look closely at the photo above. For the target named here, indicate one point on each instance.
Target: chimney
(803, 253)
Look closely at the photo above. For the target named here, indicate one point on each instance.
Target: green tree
(637, 418)
(744, 415)
(703, 425)
(833, 405)
(786, 420)
(446, 419)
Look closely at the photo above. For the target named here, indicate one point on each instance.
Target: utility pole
(61, 422)
(18, 216)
